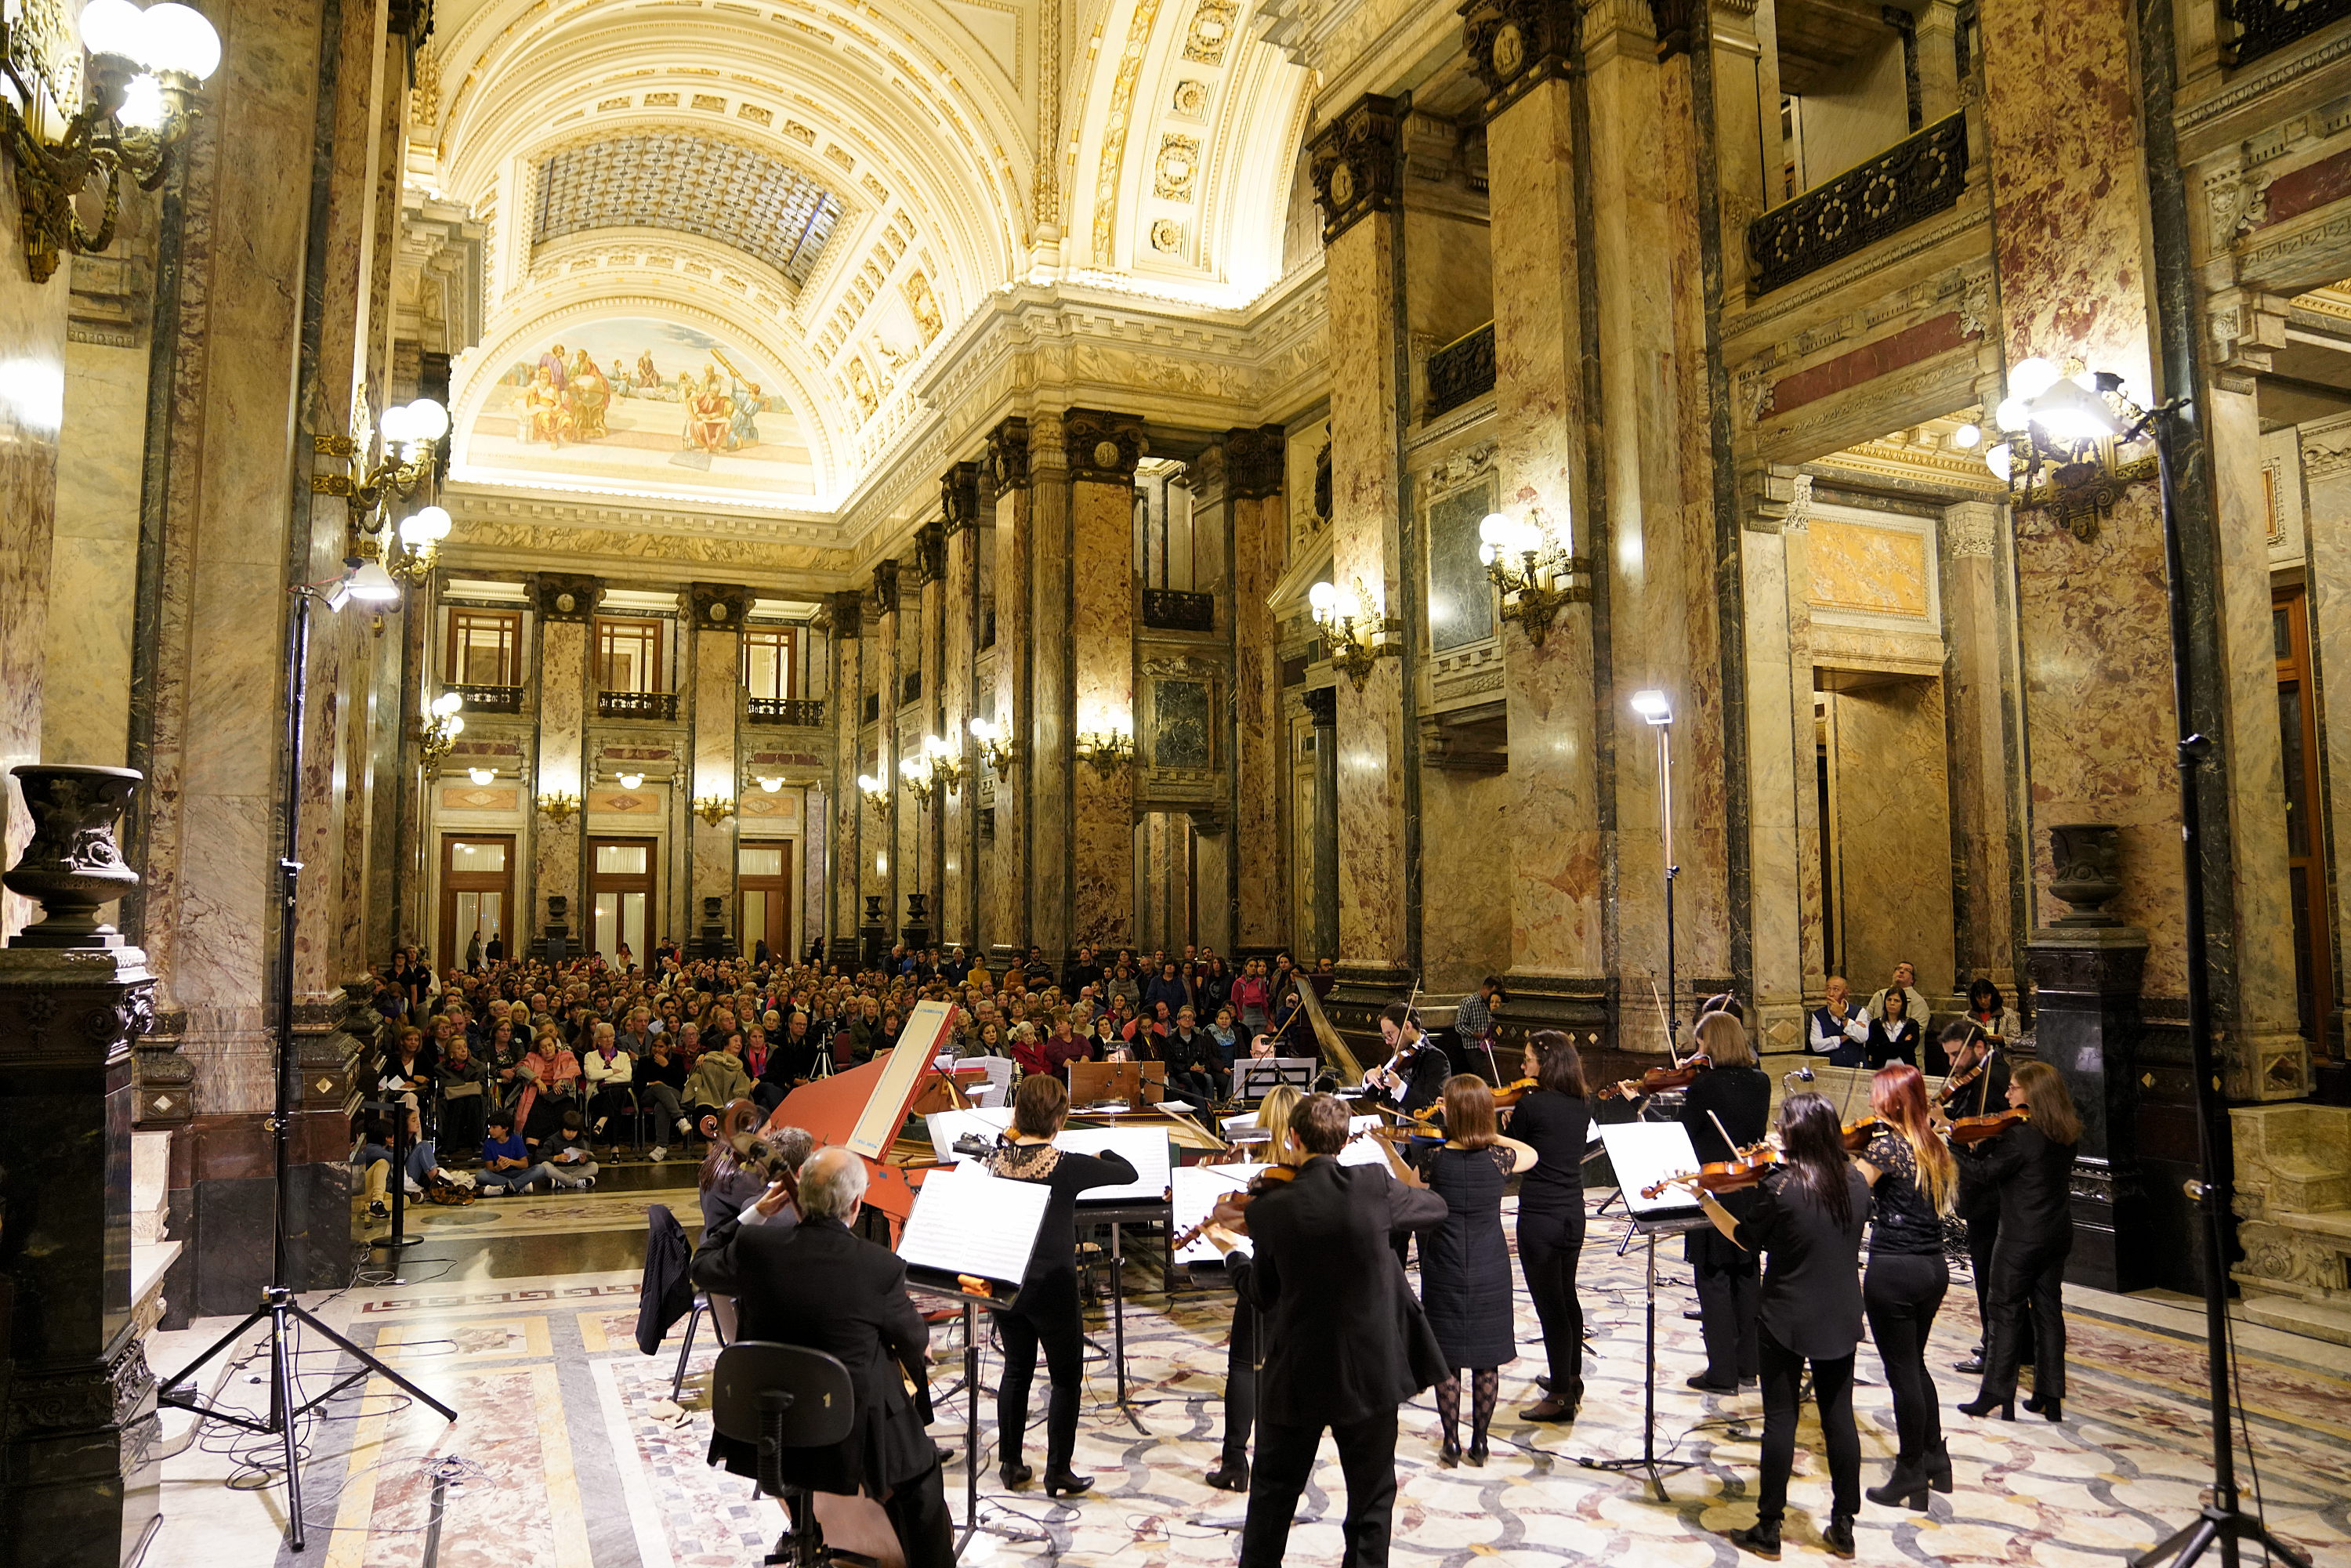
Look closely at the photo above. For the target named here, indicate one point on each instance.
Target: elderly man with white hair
(818, 1285)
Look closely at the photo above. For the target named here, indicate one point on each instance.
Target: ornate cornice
(1254, 461)
(1354, 163)
(959, 497)
(1515, 45)
(1103, 447)
(560, 597)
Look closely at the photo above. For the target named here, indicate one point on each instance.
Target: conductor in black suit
(1345, 1343)
(818, 1286)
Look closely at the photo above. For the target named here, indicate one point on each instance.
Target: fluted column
(1103, 449)
(1259, 532)
(959, 913)
(1005, 472)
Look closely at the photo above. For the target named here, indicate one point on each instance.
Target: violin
(1859, 1132)
(1509, 1094)
(1229, 1209)
(1970, 1130)
(1745, 1169)
(1954, 1085)
(1658, 1079)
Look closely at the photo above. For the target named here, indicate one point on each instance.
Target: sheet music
(1364, 1152)
(968, 1222)
(1146, 1147)
(1643, 1153)
(1197, 1187)
(946, 1126)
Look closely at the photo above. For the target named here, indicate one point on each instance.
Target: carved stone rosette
(1354, 163)
(1103, 448)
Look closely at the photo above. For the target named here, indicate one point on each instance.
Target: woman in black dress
(1733, 1096)
(1554, 1120)
(1912, 1178)
(1806, 1219)
(2027, 1165)
(1465, 1263)
(1046, 1312)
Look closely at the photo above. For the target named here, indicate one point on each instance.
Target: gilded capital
(959, 497)
(1004, 467)
(847, 613)
(719, 606)
(931, 553)
(1103, 447)
(885, 587)
(1253, 461)
(564, 598)
(1515, 44)
(1354, 163)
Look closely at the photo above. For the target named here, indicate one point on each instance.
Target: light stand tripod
(279, 1307)
(2222, 1520)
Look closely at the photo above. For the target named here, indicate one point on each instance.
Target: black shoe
(1542, 1383)
(1016, 1476)
(1760, 1538)
(2007, 1407)
(1698, 1381)
(1553, 1409)
(1068, 1484)
(1906, 1488)
(1838, 1537)
(1449, 1455)
(1477, 1452)
(2054, 1407)
(1939, 1469)
(1973, 1366)
(1230, 1478)
(376, 1210)
(1694, 1315)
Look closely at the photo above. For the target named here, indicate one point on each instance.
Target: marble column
(1322, 707)
(1103, 449)
(80, 1485)
(1047, 757)
(930, 565)
(1005, 475)
(1354, 164)
(717, 611)
(1782, 764)
(1985, 772)
(959, 876)
(1260, 529)
(564, 606)
(893, 816)
(844, 704)
(1555, 882)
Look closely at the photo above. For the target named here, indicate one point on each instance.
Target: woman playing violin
(1736, 1095)
(2028, 1165)
(1465, 1265)
(1554, 1119)
(1807, 1217)
(1912, 1178)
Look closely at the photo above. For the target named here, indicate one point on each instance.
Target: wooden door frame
(652, 889)
(780, 887)
(451, 954)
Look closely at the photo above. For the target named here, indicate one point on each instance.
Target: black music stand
(932, 1282)
(1117, 1216)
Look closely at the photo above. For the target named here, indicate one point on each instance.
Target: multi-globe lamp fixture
(2059, 435)
(1356, 629)
(1533, 570)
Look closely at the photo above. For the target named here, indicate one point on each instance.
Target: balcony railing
(1462, 369)
(1172, 609)
(1869, 202)
(490, 699)
(636, 704)
(799, 712)
(2264, 26)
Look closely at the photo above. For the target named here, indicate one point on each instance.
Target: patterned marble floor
(568, 1453)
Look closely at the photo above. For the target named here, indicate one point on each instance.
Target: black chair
(779, 1397)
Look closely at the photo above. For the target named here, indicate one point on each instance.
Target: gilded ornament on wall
(1178, 161)
(1210, 33)
(1167, 236)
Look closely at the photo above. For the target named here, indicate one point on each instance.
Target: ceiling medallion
(1167, 235)
(1510, 51)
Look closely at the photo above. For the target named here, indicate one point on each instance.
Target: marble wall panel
(1261, 529)
(2327, 479)
(716, 674)
(1053, 721)
(957, 880)
(1468, 932)
(562, 708)
(1894, 833)
(1360, 267)
(1780, 768)
(1004, 921)
(816, 834)
(1101, 648)
(884, 853)
(847, 853)
(86, 695)
(1879, 571)
(1983, 833)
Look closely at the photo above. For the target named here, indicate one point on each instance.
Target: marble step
(2319, 1320)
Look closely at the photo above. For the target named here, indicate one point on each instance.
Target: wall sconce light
(409, 433)
(629, 781)
(559, 807)
(995, 744)
(1106, 751)
(946, 764)
(917, 773)
(875, 790)
(481, 776)
(145, 67)
(771, 785)
(1533, 569)
(713, 809)
(2061, 435)
(1358, 635)
(438, 729)
(419, 537)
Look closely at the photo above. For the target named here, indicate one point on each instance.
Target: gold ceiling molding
(709, 185)
(1114, 128)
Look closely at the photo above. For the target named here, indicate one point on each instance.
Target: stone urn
(918, 909)
(71, 866)
(873, 909)
(2086, 875)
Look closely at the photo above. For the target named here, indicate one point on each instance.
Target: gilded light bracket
(1533, 571)
(146, 69)
(411, 436)
(1357, 630)
(995, 744)
(1106, 751)
(558, 807)
(713, 809)
(437, 729)
(2064, 431)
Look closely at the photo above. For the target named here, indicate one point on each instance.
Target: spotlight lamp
(1652, 707)
(945, 761)
(713, 809)
(1357, 630)
(558, 807)
(995, 743)
(438, 727)
(2063, 433)
(145, 69)
(1107, 750)
(1534, 572)
(411, 434)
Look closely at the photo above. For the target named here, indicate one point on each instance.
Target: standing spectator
(1473, 1025)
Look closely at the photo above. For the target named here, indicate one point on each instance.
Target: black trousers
(1551, 1245)
(1241, 1384)
(1984, 1240)
(1050, 1322)
(1901, 1293)
(1729, 1288)
(1783, 1374)
(2028, 1301)
(1285, 1461)
(919, 1517)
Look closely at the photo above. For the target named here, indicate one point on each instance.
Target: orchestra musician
(1046, 1312)
(1413, 1076)
(1465, 1264)
(2028, 1165)
(815, 1284)
(1241, 1348)
(1345, 1340)
(1911, 1177)
(1976, 1086)
(1554, 1119)
(1806, 1218)
(1733, 1097)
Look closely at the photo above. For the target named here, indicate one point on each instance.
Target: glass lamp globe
(2028, 379)
(143, 104)
(1320, 598)
(113, 27)
(430, 421)
(179, 39)
(398, 426)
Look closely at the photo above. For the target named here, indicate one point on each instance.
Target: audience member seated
(610, 1073)
(566, 1152)
(506, 1165)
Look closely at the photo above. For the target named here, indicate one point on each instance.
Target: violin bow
(1673, 1050)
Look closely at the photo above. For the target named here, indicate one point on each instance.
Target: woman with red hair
(1911, 1177)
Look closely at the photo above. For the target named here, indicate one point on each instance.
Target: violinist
(1413, 1076)
(1737, 1094)
(1465, 1264)
(1232, 1471)
(1807, 1218)
(2028, 1166)
(1911, 1177)
(1977, 1086)
(1554, 1119)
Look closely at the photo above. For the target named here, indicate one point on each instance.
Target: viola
(1745, 1169)
(1230, 1209)
(1954, 1085)
(1970, 1130)
(1859, 1132)
(1658, 1079)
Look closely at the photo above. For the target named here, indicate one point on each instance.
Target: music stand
(1254, 1076)
(397, 1109)
(1136, 1083)
(1643, 1153)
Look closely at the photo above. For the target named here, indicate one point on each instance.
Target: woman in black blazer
(1807, 1220)
(1046, 1311)
(1465, 1264)
(1554, 1119)
(1893, 1038)
(2028, 1165)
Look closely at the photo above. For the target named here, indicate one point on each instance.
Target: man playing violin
(1414, 1077)
(1977, 1086)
